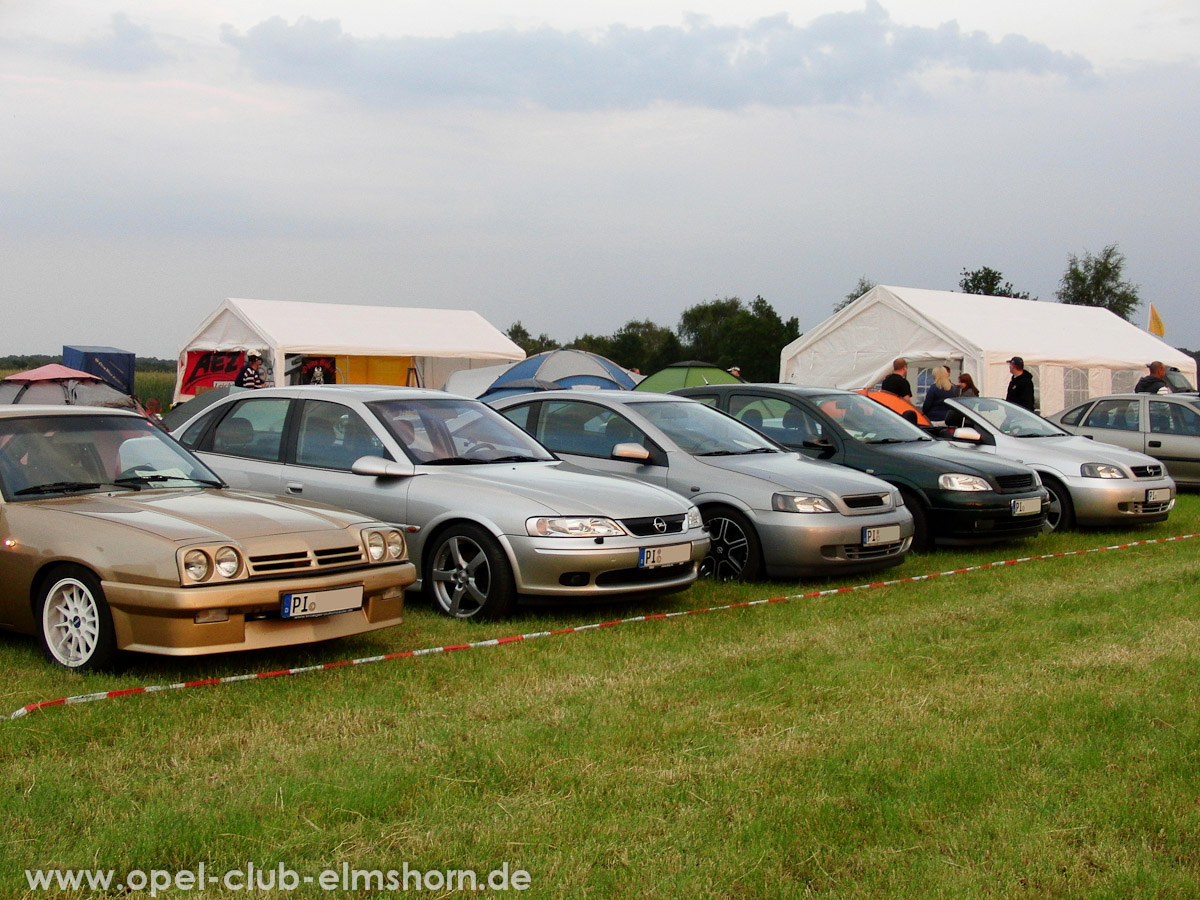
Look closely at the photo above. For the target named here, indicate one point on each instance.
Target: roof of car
(25, 410)
(798, 389)
(362, 392)
(623, 397)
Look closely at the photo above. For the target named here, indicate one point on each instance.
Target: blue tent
(567, 369)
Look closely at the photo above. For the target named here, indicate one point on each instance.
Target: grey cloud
(838, 58)
(125, 48)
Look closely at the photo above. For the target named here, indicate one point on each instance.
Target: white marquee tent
(365, 344)
(1073, 351)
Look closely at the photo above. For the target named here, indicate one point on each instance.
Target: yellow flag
(1155, 325)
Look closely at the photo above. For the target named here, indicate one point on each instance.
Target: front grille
(630, 577)
(860, 552)
(1015, 484)
(646, 527)
(868, 501)
(1149, 509)
(1147, 471)
(305, 560)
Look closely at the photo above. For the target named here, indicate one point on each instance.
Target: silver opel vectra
(489, 514)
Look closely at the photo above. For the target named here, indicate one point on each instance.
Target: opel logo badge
(660, 526)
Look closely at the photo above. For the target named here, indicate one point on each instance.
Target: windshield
(1008, 418)
(867, 421)
(47, 455)
(453, 431)
(702, 431)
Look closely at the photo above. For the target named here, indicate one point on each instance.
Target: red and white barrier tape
(496, 642)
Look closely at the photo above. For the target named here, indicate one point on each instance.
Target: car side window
(333, 436)
(567, 426)
(768, 415)
(1173, 418)
(253, 429)
(1122, 415)
(1073, 417)
(191, 436)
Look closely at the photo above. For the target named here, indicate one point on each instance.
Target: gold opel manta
(114, 538)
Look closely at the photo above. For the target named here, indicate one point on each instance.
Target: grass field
(1022, 731)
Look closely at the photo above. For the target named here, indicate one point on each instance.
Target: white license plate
(671, 555)
(881, 534)
(321, 603)
(1158, 495)
(1030, 507)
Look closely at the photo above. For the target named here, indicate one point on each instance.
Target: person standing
(250, 376)
(966, 386)
(1020, 386)
(1154, 383)
(897, 382)
(937, 394)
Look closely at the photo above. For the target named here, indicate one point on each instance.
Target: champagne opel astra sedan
(114, 538)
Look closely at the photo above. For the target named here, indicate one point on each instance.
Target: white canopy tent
(1073, 351)
(380, 344)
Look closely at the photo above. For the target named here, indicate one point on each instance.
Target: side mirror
(630, 450)
(966, 434)
(378, 467)
(823, 446)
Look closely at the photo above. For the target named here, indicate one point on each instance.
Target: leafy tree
(641, 345)
(730, 333)
(864, 284)
(519, 335)
(1097, 281)
(990, 282)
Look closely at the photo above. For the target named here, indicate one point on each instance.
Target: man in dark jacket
(897, 382)
(1154, 383)
(250, 376)
(1020, 386)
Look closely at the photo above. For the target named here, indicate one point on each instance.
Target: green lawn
(1023, 731)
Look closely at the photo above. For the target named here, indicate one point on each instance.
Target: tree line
(751, 335)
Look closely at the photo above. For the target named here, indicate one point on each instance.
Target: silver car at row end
(1090, 483)
(489, 514)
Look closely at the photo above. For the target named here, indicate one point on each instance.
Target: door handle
(295, 487)
(1156, 443)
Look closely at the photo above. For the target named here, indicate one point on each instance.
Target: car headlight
(694, 519)
(395, 545)
(573, 526)
(1101, 470)
(197, 565)
(376, 546)
(956, 481)
(800, 503)
(229, 562)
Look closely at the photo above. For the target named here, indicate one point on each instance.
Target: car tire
(74, 622)
(922, 540)
(735, 552)
(468, 576)
(1061, 515)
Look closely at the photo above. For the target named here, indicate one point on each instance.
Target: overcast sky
(577, 165)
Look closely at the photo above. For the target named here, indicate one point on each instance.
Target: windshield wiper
(516, 457)
(126, 480)
(454, 461)
(894, 441)
(60, 487)
(760, 450)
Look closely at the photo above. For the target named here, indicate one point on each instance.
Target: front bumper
(160, 619)
(967, 517)
(1118, 501)
(584, 567)
(802, 544)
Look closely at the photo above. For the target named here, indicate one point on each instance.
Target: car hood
(944, 456)
(206, 514)
(554, 488)
(1068, 451)
(792, 471)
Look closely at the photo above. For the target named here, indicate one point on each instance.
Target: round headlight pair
(385, 546)
(199, 565)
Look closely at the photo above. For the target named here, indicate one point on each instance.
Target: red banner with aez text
(207, 369)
